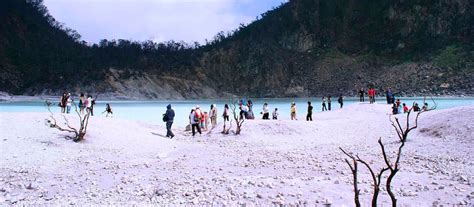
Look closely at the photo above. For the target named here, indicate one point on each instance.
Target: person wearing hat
(169, 117)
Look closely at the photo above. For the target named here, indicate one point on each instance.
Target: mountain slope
(302, 48)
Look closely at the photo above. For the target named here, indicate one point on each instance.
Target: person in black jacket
(309, 116)
(340, 100)
(169, 117)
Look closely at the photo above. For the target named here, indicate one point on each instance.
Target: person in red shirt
(371, 95)
(405, 108)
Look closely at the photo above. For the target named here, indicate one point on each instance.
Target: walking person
(194, 120)
(275, 114)
(329, 103)
(324, 104)
(168, 117)
(309, 116)
(68, 103)
(266, 112)
(226, 112)
(340, 100)
(293, 111)
(361, 95)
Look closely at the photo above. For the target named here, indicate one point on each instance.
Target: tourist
(266, 112)
(394, 109)
(405, 108)
(198, 112)
(324, 104)
(329, 103)
(340, 100)
(388, 94)
(361, 95)
(249, 104)
(213, 115)
(275, 114)
(82, 104)
(62, 103)
(249, 113)
(168, 117)
(371, 93)
(108, 110)
(207, 120)
(203, 120)
(309, 116)
(89, 104)
(92, 105)
(194, 120)
(293, 111)
(68, 103)
(416, 108)
(226, 112)
(425, 107)
(244, 112)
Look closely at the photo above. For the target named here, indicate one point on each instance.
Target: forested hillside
(302, 48)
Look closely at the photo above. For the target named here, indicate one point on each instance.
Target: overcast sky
(157, 20)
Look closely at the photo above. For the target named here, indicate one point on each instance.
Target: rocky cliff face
(303, 48)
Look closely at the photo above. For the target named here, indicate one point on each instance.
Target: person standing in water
(194, 121)
(340, 100)
(293, 111)
(309, 116)
(275, 114)
(329, 103)
(324, 104)
(361, 95)
(266, 112)
(168, 118)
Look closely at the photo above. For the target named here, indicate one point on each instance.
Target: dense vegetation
(302, 48)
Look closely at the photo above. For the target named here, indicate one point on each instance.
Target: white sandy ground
(272, 162)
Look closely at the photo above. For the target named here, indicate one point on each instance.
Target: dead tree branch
(239, 122)
(353, 168)
(83, 123)
(393, 168)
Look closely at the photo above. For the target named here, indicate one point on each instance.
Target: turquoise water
(151, 111)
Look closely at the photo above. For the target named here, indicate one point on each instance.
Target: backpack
(197, 117)
(165, 117)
